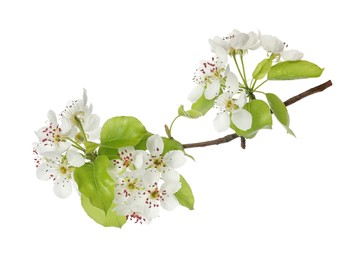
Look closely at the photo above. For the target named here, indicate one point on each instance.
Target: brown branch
(288, 102)
(309, 92)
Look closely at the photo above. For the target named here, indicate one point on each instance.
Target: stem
(173, 121)
(241, 74)
(75, 144)
(260, 85)
(80, 126)
(288, 102)
(242, 64)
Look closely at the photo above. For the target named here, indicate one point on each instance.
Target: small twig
(288, 102)
(309, 92)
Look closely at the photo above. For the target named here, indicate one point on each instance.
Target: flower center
(62, 169)
(158, 163)
(77, 117)
(154, 194)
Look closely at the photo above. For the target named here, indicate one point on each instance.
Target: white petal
(271, 43)
(175, 159)
(222, 100)
(150, 177)
(52, 118)
(91, 123)
(292, 55)
(241, 101)
(151, 213)
(43, 172)
(170, 175)
(138, 159)
(75, 159)
(63, 146)
(85, 97)
(242, 119)
(212, 89)
(171, 187)
(232, 83)
(63, 187)
(66, 126)
(196, 93)
(217, 44)
(253, 42)
(169, 202)
(222, 122)
(239, 41)
(155, 145)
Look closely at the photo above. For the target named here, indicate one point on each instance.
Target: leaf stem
(75, 144)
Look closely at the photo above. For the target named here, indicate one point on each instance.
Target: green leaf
(300, 69)
(111, 219)
(90, 146)
(111, 153)
(203, 105)
(122, 131)
(189, 113)
(262, 68)
(262, 118)
(95, 183)
(279, 110)
(184, 195)
(169, 144)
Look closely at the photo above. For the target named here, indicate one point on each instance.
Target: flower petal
(175, 159)
(212, 89)
(222, 122)
(292, 55)
(92, 123)
(63, 187)
(241, 101)
(242, 119)
(45, 171)
(52, 118)
(170, 175)
(171, 187)
(232, 83)
(271, 43)
(155, 145)
(75, 159)
(169, 202)
(196, 93)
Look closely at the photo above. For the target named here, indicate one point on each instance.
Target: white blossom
(231, 107)
(51, 138)
(207, 77)
(60, 170)
(78, 112)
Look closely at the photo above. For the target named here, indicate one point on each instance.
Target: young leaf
(90, 146)
(262, 68)
(184, 195)
(300, 69)
(189, 113)
(111, 219)
(95, 183)
(262, 118)
(203, 105)
(279, 110)
(122, 131)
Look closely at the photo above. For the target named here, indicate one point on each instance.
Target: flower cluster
(215, 81)
(57, 150)
(146, 180)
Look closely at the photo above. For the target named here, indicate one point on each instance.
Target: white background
(281, 198)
